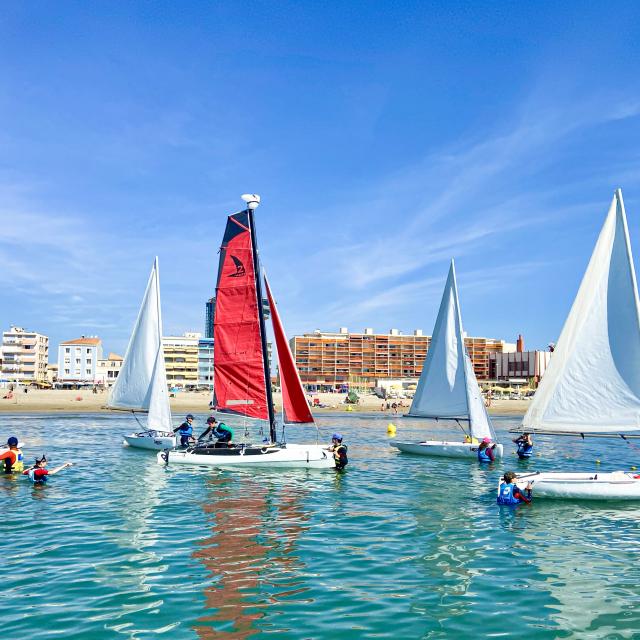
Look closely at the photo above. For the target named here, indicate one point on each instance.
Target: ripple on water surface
(395, 547)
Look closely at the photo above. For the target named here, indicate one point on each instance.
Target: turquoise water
(396, 547)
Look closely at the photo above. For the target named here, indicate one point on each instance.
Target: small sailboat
(592, 383)
(141, 385)
(448, 389)
(242, 379)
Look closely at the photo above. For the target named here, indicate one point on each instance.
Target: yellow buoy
(633, 468)
(597, 461)
(391, 429)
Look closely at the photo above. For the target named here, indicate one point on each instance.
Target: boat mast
(253, 202)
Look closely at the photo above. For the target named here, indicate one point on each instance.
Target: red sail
(239, 378)
(296, 408)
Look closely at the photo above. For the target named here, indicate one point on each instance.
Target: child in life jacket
(38, 473)
(510, 494)
(339, 451)
(525, 446)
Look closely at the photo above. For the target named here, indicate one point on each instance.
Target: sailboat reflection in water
(251, 554)
(242, 379)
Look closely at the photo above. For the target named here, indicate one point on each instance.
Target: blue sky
(385, 138)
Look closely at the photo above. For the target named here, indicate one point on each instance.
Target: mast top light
(252, 200)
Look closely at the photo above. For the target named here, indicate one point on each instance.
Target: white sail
(142, 384)
(448, 386)
(592, 383)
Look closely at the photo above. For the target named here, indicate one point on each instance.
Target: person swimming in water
(339, 451)
(525, 446)
(39, 473)
(485, 451)
(12, 457)
(509, 492)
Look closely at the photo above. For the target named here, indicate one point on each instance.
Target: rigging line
(582, 435)
(629, 443)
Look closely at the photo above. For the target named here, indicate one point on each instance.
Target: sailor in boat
(525, 446)
(39, 473)
(339, 451)
(510, 494)
(186, 431)
(218, 430)
(485, 451)
(12, 457)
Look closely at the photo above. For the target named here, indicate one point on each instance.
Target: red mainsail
(295, 406)
(239, 375)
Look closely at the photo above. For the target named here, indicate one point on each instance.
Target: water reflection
(251, 554)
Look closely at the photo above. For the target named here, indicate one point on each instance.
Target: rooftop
(83, 340)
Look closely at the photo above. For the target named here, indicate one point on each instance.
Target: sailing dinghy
(242, 379)
(592, 383)
(141, 385)
(448, 389)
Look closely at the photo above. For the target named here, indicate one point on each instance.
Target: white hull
(583, 486)
(153, 441)
(444, 449)
(308, 456)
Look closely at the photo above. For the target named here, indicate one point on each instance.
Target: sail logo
(240, 270)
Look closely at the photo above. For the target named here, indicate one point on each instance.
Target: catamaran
(141, 385)
(592, 384)
(448, 389)
(242, 379)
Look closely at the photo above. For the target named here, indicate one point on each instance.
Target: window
(67, 371)
(77, 372)
(77, 360)
(67, 360)
(67, 350)
(89, 361)
(88, 372)
(88, 350)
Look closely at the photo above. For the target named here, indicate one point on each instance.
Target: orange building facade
(332, 360)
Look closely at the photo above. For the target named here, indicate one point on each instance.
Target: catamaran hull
(303, 456)
(154, 443)
(443, 449)
(583, 486)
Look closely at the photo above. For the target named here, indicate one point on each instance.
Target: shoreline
(44, 401)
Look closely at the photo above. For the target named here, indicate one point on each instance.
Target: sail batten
(141, 384)
(592, 383)
(295, 406)
(448, 388)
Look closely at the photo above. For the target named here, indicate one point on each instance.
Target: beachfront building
(519, 366)
(25, 355)
(108, 369)
(328, 361)
(52, 373)
(78, 359)
(181, 359)
(205, 363)
(210, 314)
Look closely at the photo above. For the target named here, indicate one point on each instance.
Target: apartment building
(181, 359)
(108, 369)
(332, 360)
(25, 355)
(78, 359)
(205, 363)
(519, 364)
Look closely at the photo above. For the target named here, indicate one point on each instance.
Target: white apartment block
(25, 355)
(78, 359)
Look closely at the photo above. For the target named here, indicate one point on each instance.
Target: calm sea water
(395, 547)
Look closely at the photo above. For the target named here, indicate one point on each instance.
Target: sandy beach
(63, 401)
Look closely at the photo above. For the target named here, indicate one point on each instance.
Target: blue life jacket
(185, 429)
(37, 479)
(505, 495)
(483, 456)
(525, 450)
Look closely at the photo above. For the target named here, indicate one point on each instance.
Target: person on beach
(12, 457)
(186, 431)
(218, 430)
(485, 451)
(339, 451)
(510, 494)
(38, 473)
(525, 446)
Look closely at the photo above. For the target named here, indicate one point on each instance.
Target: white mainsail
(142, 382)
(592, 383)
(448, 387)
